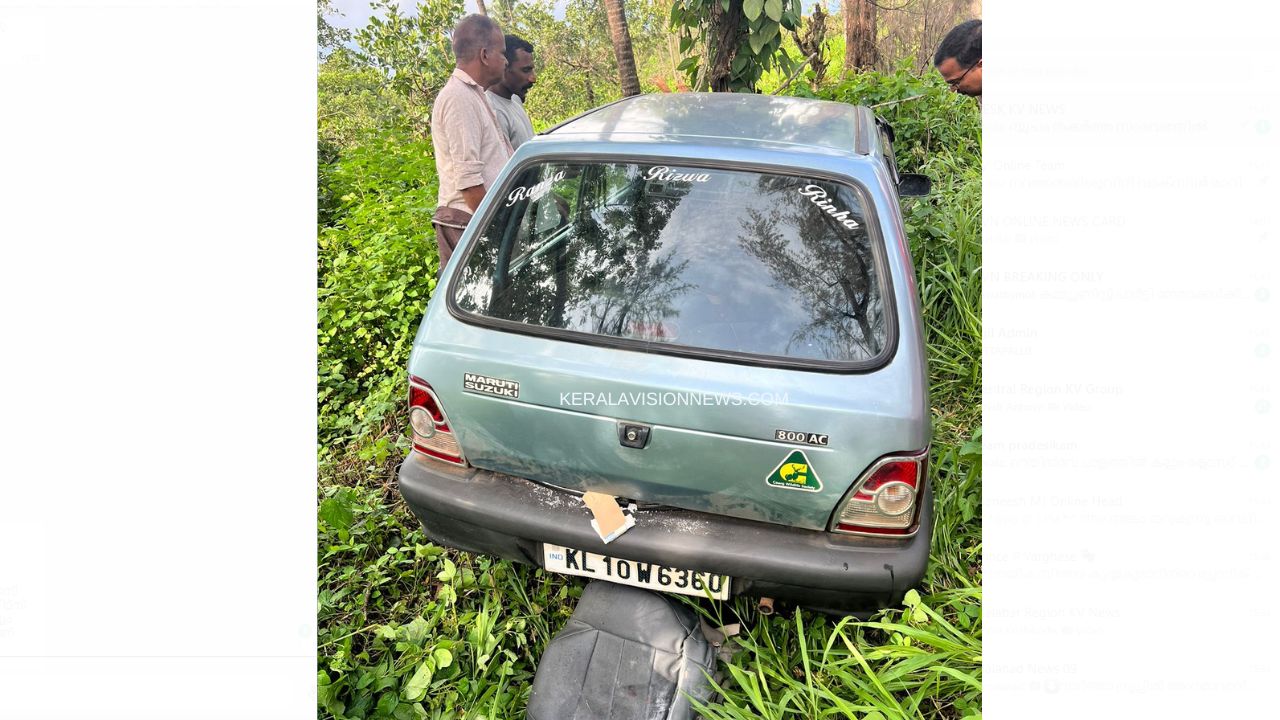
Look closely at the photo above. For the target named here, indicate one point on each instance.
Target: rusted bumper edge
(490, 513)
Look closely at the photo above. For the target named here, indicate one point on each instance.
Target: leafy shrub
(411, 51)
(353, 100)
(928, 120)
(937, 133)
(377, 268)
(410, 630)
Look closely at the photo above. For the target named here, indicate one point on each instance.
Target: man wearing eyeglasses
(959, 59)
(470, 148)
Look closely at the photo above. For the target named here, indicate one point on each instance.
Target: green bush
(377, 267)
(928, 120)
(410, 630)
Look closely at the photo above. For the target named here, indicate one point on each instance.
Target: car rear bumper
(490, 513)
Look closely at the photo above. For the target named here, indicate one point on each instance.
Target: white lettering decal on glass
(533, 192)
(664, 173)
(818, 197)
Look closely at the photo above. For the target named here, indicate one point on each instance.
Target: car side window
(892, 163)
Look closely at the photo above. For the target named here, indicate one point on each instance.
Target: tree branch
(787, 83)
(906, 4)
(894, 102)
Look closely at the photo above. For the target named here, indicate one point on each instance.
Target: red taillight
(885, 500)
(421, 396)
(431, 433)
(902, 470)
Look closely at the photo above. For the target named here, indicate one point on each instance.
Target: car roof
(727, 119)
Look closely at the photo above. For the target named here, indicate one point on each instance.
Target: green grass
(411, 630)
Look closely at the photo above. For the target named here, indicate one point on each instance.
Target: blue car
(686, 325)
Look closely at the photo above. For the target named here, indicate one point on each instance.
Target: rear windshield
(697, 258)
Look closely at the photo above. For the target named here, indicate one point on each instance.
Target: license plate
(650, 576)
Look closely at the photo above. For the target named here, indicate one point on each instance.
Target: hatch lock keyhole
(632, 435)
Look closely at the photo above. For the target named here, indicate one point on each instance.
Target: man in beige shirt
(470, 147)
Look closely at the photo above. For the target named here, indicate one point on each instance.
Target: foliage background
(411, 630)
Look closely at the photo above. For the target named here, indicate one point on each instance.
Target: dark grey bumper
(490, 513)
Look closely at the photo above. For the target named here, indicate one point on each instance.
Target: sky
(355, 13)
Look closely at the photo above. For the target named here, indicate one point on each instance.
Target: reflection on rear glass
(702, 258)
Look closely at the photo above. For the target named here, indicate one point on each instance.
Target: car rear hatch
(702, 337)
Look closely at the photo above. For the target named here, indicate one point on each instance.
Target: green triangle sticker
(795, 473)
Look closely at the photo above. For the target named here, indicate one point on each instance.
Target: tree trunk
(859, 34)
(813, 42)
(722, 37)
(483, 9)
(868, 27)
(627, 76)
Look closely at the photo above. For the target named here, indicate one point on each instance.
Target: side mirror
(913, 184)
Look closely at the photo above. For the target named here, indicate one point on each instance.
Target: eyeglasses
(956, 81)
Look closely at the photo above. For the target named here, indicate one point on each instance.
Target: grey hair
(472, 33)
